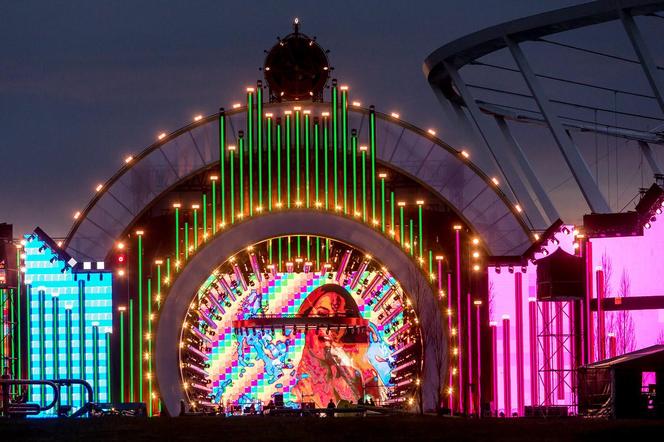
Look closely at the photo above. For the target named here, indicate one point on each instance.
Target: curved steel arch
(496, 142)
(470, 47)
(401, 146)
(341, 228)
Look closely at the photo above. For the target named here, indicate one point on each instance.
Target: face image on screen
(311, 364)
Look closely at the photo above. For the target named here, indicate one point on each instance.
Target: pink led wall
(632, 266)
(541, 356)
(527, 385)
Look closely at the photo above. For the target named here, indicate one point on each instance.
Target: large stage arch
(275, 224)
(147, 177)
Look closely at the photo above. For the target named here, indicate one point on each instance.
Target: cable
(590, 51)
(564, 80)
(565, 117)
(567, 103)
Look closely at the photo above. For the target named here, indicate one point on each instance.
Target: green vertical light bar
(241, 186)
(419, 222)
(289, 249)
(168, 268)
(108, 366)
(12, 316)
(122, 355)
(297, 154)
(372, 147)
(316, 152)
(401, 225)
(195, 208)
(280, 255)
(95, 362)
(430, 262)
(279, 161)
(177, 231)
(363, 151)
(326, 147)
(132, 393)
(140, 313)
(268, 136)
(382, 177)
(204, 204)
(214, 204)
(318, 252)
(308, 247)
(4, 296)
(344, 142)
(411, 245)
(392, 225)
(327, 250)
(68, 337)
(149, 338)
(288, 149)
(159, 263)
(353, 155)
(250, 146)
(186, 240)
(231, 168)
(306, 160)
(259, 139)
(56, 337)
(335, 139)
(222, 162)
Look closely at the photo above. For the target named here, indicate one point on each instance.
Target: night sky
(84, 83)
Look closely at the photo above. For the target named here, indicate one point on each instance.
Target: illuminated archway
(275, 224)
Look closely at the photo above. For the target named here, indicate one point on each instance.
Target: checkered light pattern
(239, 369)
(45, 281)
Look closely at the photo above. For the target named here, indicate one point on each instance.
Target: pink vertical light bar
(440, 273)
(518, 300)
(457, 270)
(469, 346)
(590, 329)
(532, 327)
(601, 340)
(478, 304)
(560, 352)
(494, 365)
(571, 306)
(612, 345)
(449, 327)
(507, 380)
(546, 351)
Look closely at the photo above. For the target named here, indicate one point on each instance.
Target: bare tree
(621, 322)
(434, 346)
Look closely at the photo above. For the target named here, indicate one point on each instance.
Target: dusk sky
(83, 84)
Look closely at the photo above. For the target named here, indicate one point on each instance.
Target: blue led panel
(60, 294)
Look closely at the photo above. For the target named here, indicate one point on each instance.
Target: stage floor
(346, 429)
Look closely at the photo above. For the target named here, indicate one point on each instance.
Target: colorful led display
(294, 355)
(70, 316)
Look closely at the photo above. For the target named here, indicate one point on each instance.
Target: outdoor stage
(379, 428)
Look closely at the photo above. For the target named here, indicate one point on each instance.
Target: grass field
(349, 429)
